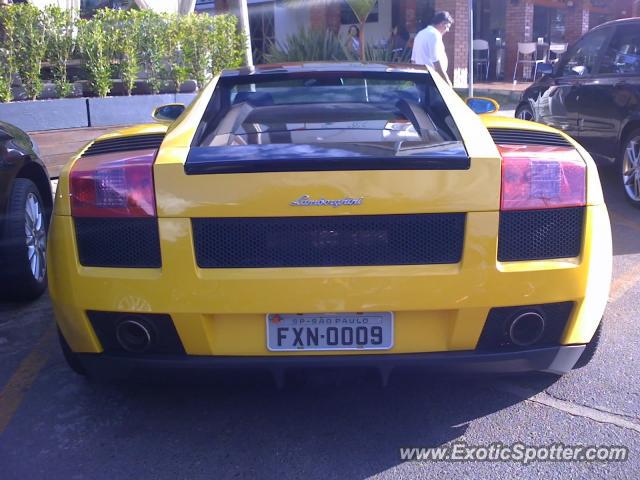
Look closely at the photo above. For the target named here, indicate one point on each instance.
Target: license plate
(329, 331)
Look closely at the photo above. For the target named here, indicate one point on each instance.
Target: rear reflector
(113, 185)
(539, 177)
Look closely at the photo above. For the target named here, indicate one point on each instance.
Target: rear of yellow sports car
(302, 216)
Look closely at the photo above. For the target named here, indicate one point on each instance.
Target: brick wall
(577, 20)
(333, 17)
(409, 7)
(318, 16)
(519, 28)
(456, 41)
(325, 16)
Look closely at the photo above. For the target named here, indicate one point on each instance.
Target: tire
(25, 243)
(629, 167)
(524, 112)
(590, 349)
(70, 357)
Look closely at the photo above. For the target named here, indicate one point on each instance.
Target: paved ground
(58, 146)
(54, 424)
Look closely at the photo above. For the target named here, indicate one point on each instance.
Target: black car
(593, 94)
(25, 210)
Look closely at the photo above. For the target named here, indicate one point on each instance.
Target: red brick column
(519, 28)
(318, 16)
(333, 17)
(577, 20)
(325, 16)
(410, 9)
(456, 41)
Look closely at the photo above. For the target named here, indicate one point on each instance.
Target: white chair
(481, 56)
(556, 49)
(527, 56)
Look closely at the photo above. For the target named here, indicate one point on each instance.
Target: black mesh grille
(125, 144)
(510, 136)
(540, 234)
(118, 242)
(328, 241)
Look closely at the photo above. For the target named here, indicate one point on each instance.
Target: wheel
(70, 357)
(525, 112)
(630, 167)
(25, 243)
(590, 349)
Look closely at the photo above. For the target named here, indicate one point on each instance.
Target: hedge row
(113, 44)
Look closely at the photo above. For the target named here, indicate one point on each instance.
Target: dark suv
(593, 94)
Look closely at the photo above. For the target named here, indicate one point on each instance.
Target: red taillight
(537, 177)
(113, 185)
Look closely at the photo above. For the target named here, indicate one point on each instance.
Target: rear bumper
(220, 313)
(557, 360)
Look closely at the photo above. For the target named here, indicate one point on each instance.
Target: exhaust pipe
(133, 335)
(526, 329)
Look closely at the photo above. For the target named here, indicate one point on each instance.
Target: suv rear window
(401, 113)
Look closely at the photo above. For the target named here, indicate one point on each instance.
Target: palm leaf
(362, 8)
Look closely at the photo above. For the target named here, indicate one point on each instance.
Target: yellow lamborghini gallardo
(325, 214)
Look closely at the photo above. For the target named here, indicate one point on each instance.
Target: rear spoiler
(316, 158)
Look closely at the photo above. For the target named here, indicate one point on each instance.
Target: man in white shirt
(428, 47)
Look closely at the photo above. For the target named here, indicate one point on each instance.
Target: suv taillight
(539, 177)
(113, 186)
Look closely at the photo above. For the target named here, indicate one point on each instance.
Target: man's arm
(438, 68)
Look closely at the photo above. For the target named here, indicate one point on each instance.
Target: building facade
(502, 23)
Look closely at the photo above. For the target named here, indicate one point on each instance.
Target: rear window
(393, 114)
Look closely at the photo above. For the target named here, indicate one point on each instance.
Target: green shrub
(321, 45)
(308, 45)
(7, 53)
(227, 45)
(59, 26)
(199, 46)
(114, 43)
(30, 46)
(151, 51)
(122, 30)
(376, 54)
(176, 68)
(94, 46)
(196, 33)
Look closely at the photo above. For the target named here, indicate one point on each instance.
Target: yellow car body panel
(437, 308)
(210, 307)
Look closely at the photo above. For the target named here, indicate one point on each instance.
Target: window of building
(88, 7)
(262, 25)
(622, 56)
(425, 9)
(204, 6)
(548, 24)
